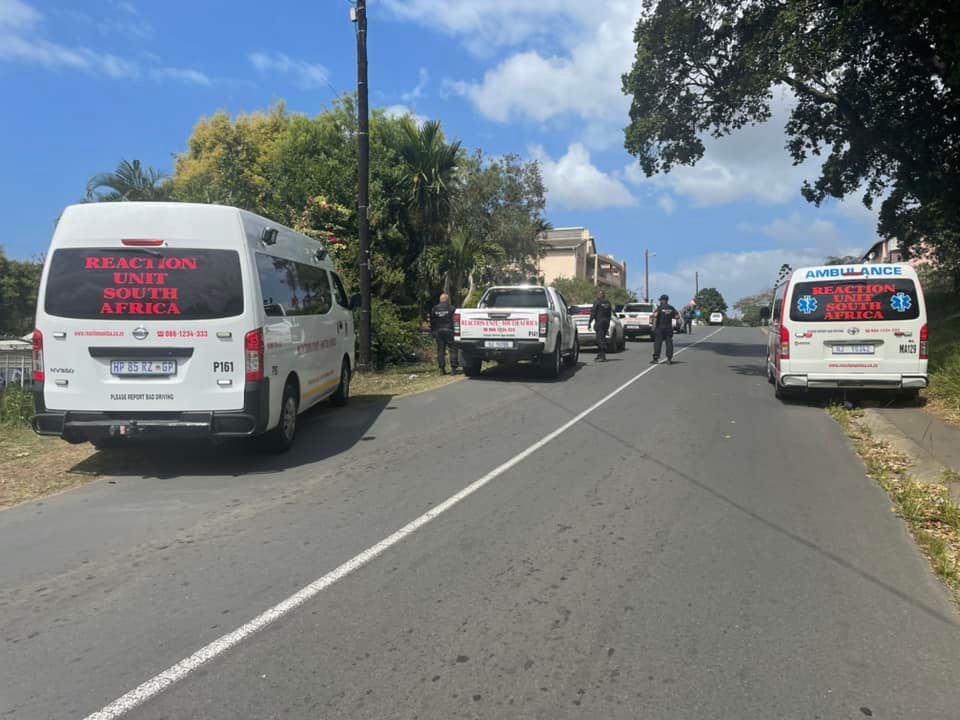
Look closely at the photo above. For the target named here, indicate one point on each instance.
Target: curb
(924, 468)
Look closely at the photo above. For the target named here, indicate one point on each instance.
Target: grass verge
(943, 395)
(401, 380)
(933, 519)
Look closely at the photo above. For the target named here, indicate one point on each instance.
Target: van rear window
(855, 300)
(144, 284)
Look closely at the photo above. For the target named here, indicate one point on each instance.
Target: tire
(909, 397)
(550, 364)
(574, 356)
(623, 343)
(342, 395)
(281, 438)
(771, 378)
(472, 366)
(782, 393)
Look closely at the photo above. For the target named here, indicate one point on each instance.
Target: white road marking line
(157, 684)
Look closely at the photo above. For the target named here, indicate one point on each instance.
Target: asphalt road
(692, 548)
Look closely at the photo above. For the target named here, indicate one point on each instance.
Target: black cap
(664, 297)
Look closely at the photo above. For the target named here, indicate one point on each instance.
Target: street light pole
(359, 16)
(646, 274)
(697, 284)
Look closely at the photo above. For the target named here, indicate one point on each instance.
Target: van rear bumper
(80, 426)
(879, 381)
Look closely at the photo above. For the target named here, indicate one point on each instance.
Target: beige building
(572, 253)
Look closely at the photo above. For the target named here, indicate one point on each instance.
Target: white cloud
(20, 42)
(667, 204)
(17, 15)
(573, 182)
(417, 92)
(186, 76)
(307, 75)
(734, 274)
(399, 110)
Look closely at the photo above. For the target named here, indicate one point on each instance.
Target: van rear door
(140, 326)
(855, 325)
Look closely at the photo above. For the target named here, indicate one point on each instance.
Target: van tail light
(253, 348)
(38, 374)
(784, 343)
(924, 337)
(544, 319)
(137, 242)
(456, 323)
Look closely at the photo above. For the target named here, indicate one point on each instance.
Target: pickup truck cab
(514, 323)
(635, 318)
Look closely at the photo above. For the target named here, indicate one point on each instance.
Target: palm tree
(429, 177)
(130, 181)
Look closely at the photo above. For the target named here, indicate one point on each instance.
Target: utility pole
(696, 292)
(359, 16)
(646, 274)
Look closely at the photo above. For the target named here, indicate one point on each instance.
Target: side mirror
(273, 310)
(765, 313)
(355, 301)
(571, 310)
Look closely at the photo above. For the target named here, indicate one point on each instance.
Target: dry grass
(933, 519)
(32, 467)
(403, 380)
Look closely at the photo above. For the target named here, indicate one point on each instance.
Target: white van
(849, 326)
(201, 320)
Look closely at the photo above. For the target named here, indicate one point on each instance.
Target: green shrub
(395, 341)
(16, 407)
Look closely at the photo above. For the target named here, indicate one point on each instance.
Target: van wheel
(340, 397)
(472, 366)
(782, 393)
(574, 356)
(550, 364)
(909, 397)
(281, 438)
(771, 378)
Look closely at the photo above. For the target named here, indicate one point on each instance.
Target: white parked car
(849, 326)
(716, 318)
(635, 318)
(616, 340)
(517, 322)
(185, 319)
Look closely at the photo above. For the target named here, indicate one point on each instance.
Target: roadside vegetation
(943, 314)
(933, 518)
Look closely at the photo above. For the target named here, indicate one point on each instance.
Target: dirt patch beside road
(32, 467)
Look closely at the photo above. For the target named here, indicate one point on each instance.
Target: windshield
(154, 284)
(856, 300)
(638, 307)
(515, 298)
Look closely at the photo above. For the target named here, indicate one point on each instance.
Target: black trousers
(601, 327)
(661, 335)
(688, 326)
(444, 343)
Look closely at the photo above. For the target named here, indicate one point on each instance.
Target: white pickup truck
(517, 322)
(636, 319)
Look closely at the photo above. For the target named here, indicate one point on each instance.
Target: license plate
(128, 368)
(853, 349)
(499, 344)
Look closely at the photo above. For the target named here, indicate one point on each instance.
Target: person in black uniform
(662, 320)
(600, 318)
(441, 324)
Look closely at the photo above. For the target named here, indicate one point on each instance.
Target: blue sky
(85, 84)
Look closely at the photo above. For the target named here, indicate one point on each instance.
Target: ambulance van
(184, 319)
(849, 326)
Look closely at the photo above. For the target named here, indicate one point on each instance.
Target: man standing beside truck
(441, 324)
(600, 319)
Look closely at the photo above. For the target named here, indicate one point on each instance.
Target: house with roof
(572, 253)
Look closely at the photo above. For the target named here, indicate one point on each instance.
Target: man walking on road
(662, 320)
(688, 321)
(441, 324)
(600, 319)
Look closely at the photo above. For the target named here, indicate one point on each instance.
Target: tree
(130, 181)
(709, 300)
(841, 260)
(19, 286)
(581, 292)
(877, 86)
(749, 307)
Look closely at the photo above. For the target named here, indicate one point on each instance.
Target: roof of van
(868, 270)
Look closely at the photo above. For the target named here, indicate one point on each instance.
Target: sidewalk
(932, 443)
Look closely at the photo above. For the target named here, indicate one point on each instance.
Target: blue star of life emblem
(807, 304)
(901, 302)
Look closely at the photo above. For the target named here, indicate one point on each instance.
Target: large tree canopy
(877, 84)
